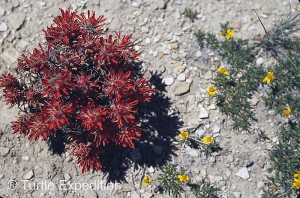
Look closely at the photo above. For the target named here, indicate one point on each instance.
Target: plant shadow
(160, 124)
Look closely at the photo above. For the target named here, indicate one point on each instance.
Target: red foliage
(81, 83)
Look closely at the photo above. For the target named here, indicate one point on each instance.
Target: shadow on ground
(160, 124)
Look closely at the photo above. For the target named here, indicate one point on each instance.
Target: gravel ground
(177, 66)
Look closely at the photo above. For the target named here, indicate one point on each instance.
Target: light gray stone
(67, 177)
(2, 11)
(200, 132)
(168, 80)
(254, 101)
(151, 169)
(181, 77)
(4, 151)
(192, 152)
(237, 194)
(22, 44)
(9, 56)
(28, 175)
(89, 194)
(216, 129)
(135, 195)
(147, 195)
(3, 27)
(25, 158)
(203, 113)
(208, 75)
(259, 61)
(182, 89)
(137, 3)
(243, 173)
(16, 20)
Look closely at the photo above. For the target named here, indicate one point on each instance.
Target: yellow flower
(229, 34)
(146, 181)
(296, 183)
(212, 91)
(223, 70)
(270, 76)
(208, 140)
(184, 134)
(183, 178)
(287, 111)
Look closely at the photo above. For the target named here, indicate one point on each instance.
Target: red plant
(81, 83)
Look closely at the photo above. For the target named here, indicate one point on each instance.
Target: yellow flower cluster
(183, 178)
(228, 34)
(296, 183)
(184, 134)
(223, 70)
(207, 139)
(146, 181)
(287, 111)
(270, 76)
(212, 91)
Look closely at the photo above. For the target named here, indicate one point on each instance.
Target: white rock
(148, 40)
(215, 179)
(151, 169)
(3, 27)
(212, 107)
(28, 175)
(208, 75)
(1, 176)
(192, 152)
(228, 173)
(147, 195)
(182, 89)
(22, 44)
(145, 29)
(25, 158)
(4, 150)
(198, 54)
(200, 132)
(2, 11)
(9, 56)
(243, 173)
(216, 129)
(178, 2)
(181, 77)
(260, 185)
(42, 3)
(203, 113)
(16, 20)
(203, 173)
(137, 3)
(259, 61)
(67, 177)
(135, 195)
(237, 194)
(168, 80)
(254, 101)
